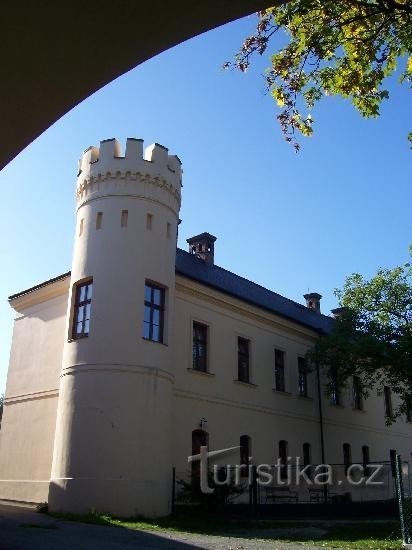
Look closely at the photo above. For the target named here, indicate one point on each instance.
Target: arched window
(243, 359)
(279, 370)
(200, 438)
(335, 393)
(200, 347)
(245, 452)
(347, 456)
(392, 456)
(365, 459)
(302, 377)
(307, 457)
(245, 449)
(283, 458)
(307, 452)
(387, 393)
(357, 393)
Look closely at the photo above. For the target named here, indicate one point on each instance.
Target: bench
(316, 495)
(281, 493)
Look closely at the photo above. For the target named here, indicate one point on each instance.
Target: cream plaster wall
(230, 407)
(233, 409)
(27, 432)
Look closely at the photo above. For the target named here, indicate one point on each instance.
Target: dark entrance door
(200, 438)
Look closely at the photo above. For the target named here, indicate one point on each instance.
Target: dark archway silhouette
(56, 54)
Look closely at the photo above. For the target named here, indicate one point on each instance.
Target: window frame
(245, 357)
(197, 341)
(77, 304)
(153, 306)
(302, 377)
(283, 458)
(357, 393)
(408, 410)
(347, 456)
(283, 369)
(392, 458)
(245, 451)
(200, 438)
(335, 391)
(387, 401)
(307, 454)
(307, 458)
(366, 459)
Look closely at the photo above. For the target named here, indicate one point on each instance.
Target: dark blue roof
(218, 278)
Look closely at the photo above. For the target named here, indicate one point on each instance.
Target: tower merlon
(174, 164)
(90, 155)
(156, 153)
(134, 148)
(107, 161)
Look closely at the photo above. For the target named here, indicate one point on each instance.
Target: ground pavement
(26, 529)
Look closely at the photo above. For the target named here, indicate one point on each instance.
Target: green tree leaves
(346, 48)
(373, 339)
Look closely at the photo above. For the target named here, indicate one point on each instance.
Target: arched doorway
(200, 438)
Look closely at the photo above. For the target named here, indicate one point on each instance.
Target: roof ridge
(256, 284)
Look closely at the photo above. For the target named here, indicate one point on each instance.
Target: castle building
(124, 366)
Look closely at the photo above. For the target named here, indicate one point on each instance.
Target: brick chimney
(203, 247)
(313, 301)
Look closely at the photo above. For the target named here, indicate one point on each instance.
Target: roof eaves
(318, 330)
(40, 285)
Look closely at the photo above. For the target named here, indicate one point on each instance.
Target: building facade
(124, 366)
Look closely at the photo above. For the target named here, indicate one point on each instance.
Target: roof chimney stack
(203, 247)
(313, 301)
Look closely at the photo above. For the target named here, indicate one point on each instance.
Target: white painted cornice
(41, 294)
(193, 289)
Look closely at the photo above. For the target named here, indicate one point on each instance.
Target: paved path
(25, 529)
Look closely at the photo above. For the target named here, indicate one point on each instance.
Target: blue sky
(290, 222)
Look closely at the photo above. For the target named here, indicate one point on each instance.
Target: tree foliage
(189, 491)
(373, 338)
(346, 48)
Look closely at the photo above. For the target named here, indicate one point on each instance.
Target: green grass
(343, 534)
(361, 536)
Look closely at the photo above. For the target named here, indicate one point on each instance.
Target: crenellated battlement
(154, 160)
(152, 164)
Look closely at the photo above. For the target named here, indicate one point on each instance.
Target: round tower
(112, 450)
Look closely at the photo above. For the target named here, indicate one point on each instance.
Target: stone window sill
(202, 372)
(154, 341)
(285, 393)
(242, 383)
